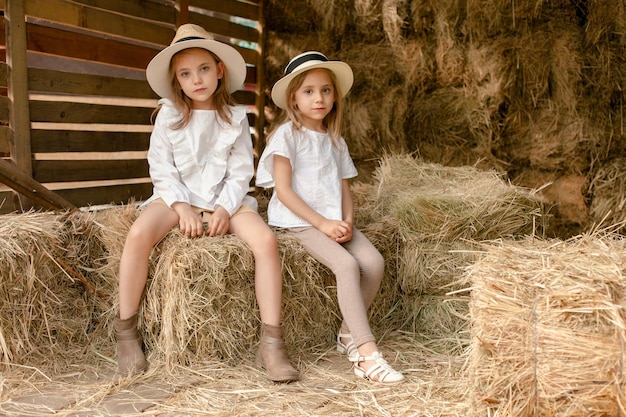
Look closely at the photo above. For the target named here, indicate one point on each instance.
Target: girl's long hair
(332, 121)
(222, 98)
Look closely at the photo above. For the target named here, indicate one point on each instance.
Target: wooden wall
(74, 103)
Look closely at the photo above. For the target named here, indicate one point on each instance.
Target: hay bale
(565, 193)
(44, 308)
(445, 204)
(608, 195)
(200, 301)
(549, 328)
(452, 127)
(434, 268)
(442, 319)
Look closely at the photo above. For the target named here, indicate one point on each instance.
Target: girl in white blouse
(201, 165)
(307, 163)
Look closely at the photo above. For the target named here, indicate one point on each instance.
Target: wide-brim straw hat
(308, 61)
(193, 36)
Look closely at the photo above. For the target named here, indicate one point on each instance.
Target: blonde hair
(222, 98)
(332, 121)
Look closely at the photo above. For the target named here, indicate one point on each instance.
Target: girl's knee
(264, 241)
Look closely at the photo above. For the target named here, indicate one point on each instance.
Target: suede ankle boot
(272, 355)
(130, 357)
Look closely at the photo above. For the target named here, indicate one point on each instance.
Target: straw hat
(307, 61)
(194, 36)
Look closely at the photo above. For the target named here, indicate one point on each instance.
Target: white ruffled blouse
(208, 163)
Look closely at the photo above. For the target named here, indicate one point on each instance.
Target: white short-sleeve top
(208, 163)
(318, 168)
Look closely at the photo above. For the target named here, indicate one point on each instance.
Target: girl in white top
(201, 165)
(307, 163)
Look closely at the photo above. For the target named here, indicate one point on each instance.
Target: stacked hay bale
(549, 328)
(44, 312)
(531, 88)
(441, 213)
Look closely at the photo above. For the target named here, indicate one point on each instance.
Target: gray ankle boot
(272, 355)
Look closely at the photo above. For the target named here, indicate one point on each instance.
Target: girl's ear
(220, 70)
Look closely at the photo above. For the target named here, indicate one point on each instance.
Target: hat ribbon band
(189, 38)
(299, 61)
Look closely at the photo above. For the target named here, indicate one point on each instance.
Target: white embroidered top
(208, 163)
(318, 168)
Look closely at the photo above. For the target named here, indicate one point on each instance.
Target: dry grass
(548, 327)
(433, 320)
(608, 187)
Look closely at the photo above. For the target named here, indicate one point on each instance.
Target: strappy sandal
(381, 371)
(348, 348)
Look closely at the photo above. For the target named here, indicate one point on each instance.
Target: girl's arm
(334, 229)
(347, 204)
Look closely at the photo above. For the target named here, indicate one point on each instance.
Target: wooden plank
(131, 401)
(245, 97)
(150, 10)
(6, 202)
(229, 7)
(18, 86)
(40, 403)
(116, 194)
(45, 141)
(65, 43)
(51, 81)
(224, 27)
(4, 73)
(260, 89)
(13, 177)
(65, 112)
(5, 105)
(251, 56)
(5, 141)
(87, 17)
(47, 171)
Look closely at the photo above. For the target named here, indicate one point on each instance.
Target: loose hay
(549, 328)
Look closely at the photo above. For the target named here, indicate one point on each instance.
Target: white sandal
(348, 348)
(381, 371)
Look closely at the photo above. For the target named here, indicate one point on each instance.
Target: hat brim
(342, 72)
(157, 71)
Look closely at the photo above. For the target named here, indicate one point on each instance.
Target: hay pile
(549, 328)
(440, 214)
(44, 310)
(200, 301)
(531, 88)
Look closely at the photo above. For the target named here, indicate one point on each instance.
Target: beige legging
(358, 268)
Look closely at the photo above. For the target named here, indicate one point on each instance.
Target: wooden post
(19, 115)
(183, 17)
(260, 86)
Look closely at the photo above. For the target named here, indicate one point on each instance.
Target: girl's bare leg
(154, 222)
(251, 228)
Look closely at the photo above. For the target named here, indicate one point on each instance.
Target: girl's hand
(339, 231)
(190, 222)
(219, 222)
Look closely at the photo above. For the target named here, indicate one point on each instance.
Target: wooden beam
(17, 92)
(19, 117)
(25, 185)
